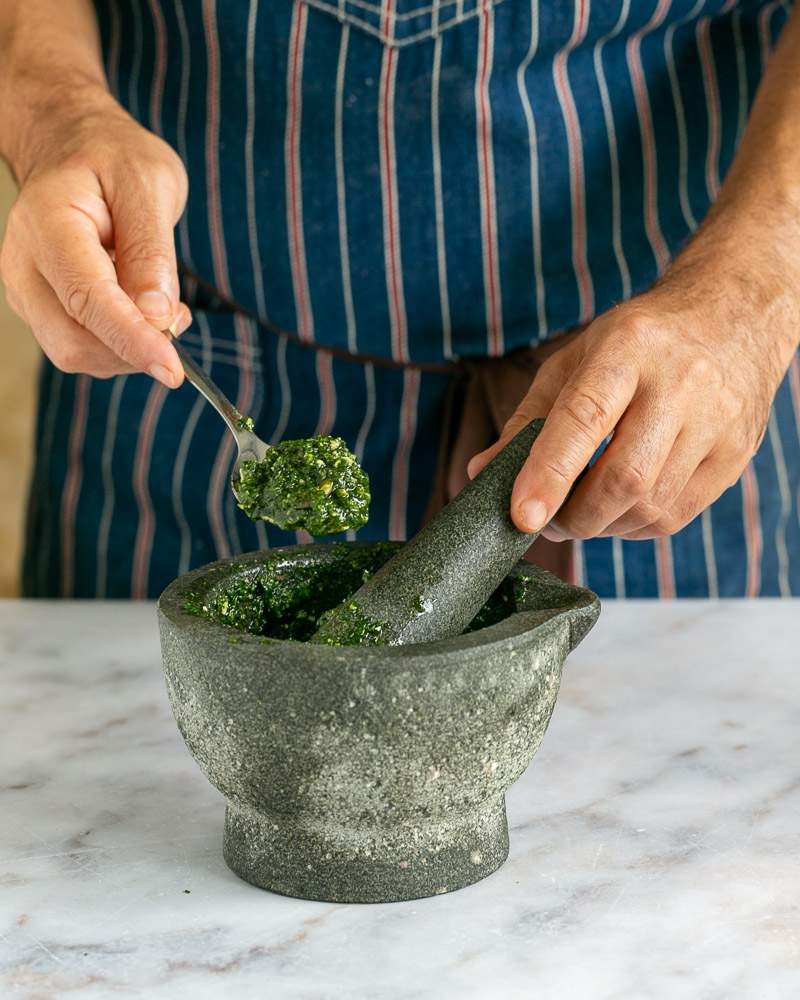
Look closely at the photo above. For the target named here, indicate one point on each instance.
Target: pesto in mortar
(284, 600)
(312, 483)
(288, 600)
(349, 626)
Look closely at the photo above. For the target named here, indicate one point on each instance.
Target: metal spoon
(250, 446)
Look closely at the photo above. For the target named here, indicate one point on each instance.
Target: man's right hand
(88, 258)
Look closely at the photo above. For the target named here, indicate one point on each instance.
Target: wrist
(741, 270)
(46, 114)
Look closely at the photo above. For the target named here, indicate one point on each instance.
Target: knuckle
(142, 249)
(157, 170)
(646, 512)
(551, 368)
(170, 168)
(578, 527)
(636, 324)
(702, 370)
(558, 469)
(69, 358)
(625, 480)
(78, 298)
(83, 300)
(669, 523)
(118, 341)
(590, 411)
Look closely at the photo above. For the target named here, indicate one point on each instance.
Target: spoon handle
(204, 385)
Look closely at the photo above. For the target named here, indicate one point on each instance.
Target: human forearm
(752, 233)
(51, 76)
(88, 257)
(681, 377)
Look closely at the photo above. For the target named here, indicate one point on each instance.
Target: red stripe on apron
(642, 99)
(752, 530)
(212, 150)
(764, 32)
(327, 393)
(388, 165)
(794, 385)
(160, 65)
(712, 106)
(576, 169)
(72, 483)
(398, 525)
(297, 247)
(488, 194)
(143, 545)
(665, 568)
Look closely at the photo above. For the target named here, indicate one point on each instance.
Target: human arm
(685, 374)
(88, 258)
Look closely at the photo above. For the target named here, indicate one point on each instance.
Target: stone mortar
(366, 773)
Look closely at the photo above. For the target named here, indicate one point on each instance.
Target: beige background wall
(18, 363)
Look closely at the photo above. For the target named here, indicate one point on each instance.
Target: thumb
(144, 247)
(537, 402)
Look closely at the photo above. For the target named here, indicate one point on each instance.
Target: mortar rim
(513, 631)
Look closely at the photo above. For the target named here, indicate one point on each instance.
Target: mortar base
(382, 865)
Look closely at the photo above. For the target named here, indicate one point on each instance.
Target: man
(413, 225)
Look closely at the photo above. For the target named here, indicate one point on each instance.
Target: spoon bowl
(312, 483)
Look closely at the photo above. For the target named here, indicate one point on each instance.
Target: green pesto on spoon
(311, 483)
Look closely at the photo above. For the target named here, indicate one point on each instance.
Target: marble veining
(655, 838)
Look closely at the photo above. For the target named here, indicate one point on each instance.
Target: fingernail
(533, 514)
(183, 322)
(154, 305)
(164, 375)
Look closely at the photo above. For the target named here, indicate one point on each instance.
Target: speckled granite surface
(366, 773)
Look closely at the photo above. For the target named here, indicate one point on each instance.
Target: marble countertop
(654, 841)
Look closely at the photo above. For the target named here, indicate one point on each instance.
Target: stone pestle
(437, 582)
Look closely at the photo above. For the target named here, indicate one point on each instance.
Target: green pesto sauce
(283, 600)
(350, 626)
(245, 424)
(278, 600)
(312, 483)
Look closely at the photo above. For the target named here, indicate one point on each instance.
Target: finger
(82, 275)
(182, 321)
(714, 475)
(584, 414)
(686, 456)
(538, 401)
(626, 472)
(71, 348)
(145, 210)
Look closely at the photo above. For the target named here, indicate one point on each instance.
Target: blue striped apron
(378, 189)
